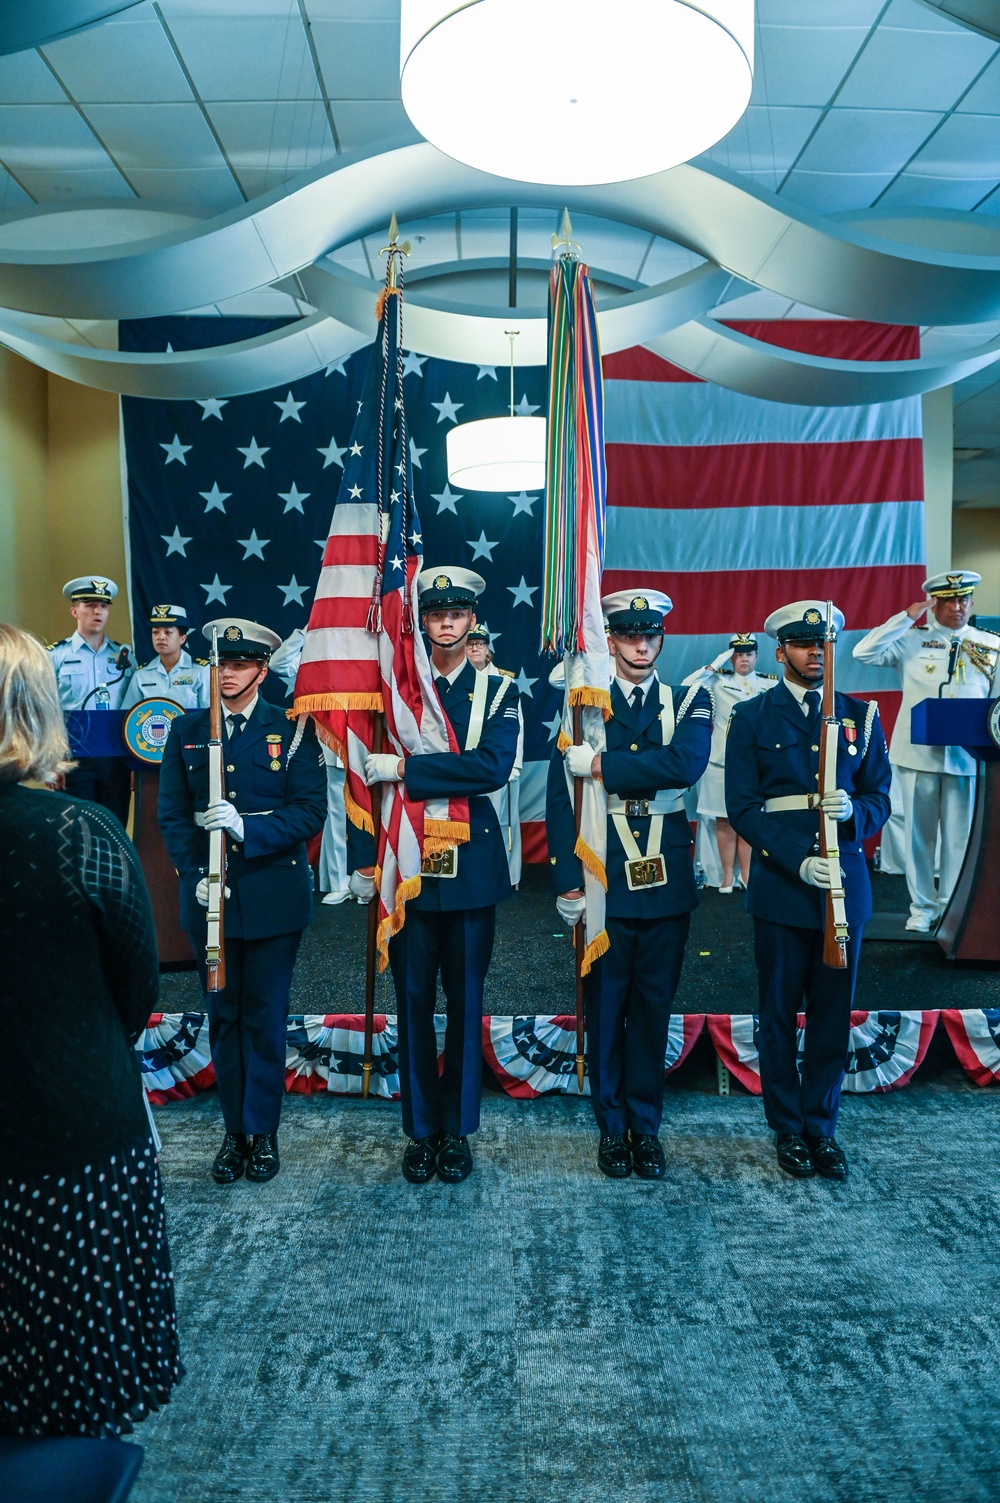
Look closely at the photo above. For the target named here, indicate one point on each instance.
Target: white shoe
(730, 888)
(919, 923)
(330, 898)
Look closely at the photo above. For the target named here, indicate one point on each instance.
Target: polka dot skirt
(88, 1328)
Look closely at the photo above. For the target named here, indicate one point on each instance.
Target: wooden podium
(98, 733)
(969, 929)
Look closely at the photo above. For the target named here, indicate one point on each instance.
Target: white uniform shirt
(186, 683)
(920, 656)
(727, 690)
(80, 671)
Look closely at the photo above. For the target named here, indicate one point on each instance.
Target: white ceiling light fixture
(589, 93)
(498, 454)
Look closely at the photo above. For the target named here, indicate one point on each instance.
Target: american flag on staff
(363, 654)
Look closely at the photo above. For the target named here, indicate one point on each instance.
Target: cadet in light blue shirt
(93, 672)
(172, 674)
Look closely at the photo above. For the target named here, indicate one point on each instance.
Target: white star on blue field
(230, 498)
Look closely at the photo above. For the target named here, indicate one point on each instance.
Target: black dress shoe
(647, 1155)
(614, 1156)
(230, 1161)
(264, 1162)
(454, 1159)
(794, 1156)
(420, 1160)
(828, 1157)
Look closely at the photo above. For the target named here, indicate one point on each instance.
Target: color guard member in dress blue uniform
(658, 743)
(93, 673)
(275, 801)
(450, 924)
(772, 771)
(171, 674)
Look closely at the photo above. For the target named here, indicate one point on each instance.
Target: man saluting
(772, 771)
(658, 742)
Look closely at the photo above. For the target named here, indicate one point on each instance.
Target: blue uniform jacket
(637, 765)
(483, 877)
(771, 753)
(282, 808)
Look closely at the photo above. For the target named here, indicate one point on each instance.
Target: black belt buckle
(637, 808)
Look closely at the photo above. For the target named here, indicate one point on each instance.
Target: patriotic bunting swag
(362, 654)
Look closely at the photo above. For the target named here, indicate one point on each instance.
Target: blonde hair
(33, 742)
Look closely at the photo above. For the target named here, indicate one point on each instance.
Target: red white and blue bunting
(533, 1055)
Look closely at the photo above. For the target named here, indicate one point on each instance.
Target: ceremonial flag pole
(365, 676)
(572, 620)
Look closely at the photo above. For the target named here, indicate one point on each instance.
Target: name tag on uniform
(648, 871)
(441, 864)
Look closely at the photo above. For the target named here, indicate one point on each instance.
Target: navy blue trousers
(791, 977)
(459, 945)
(247, 1026)
(627, 997)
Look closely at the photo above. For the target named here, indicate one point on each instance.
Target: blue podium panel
(96, 733)
(954, 722)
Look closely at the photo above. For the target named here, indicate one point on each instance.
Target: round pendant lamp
(588, 92)
(499, 453)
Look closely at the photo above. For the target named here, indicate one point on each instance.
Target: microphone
(956, 646)
(121, 661)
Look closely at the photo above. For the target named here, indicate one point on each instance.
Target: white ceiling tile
(12, 197)
(266, 302)
(57, 185)
(818, 12)
(937, 192)
(911, 15)
(831, 192)
(155, 135)
(765, 140)
(119, 60)
(353, 257)
(24, 79)
(365, 123)
(866, 141)
(915, 70)
(984, 96)
(269, 143)
(802, 65)
(50, 136)
(353, 10)
(990, 204)
(966, 146)
(202, 191)
(359, 59)
(666, 260)
(246, 56)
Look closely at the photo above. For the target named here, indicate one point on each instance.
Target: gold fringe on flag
(593, 863)
(599, 698)
(393, 922)
(597, 947)
(359, 817)
(310, 704)
(440, 834)
(563, 741)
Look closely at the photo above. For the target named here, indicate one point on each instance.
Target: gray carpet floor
(542, 1335)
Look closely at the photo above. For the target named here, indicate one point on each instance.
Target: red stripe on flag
(340, 610)
(831, 339)
(350, 548)
(360, 676)
(714, 475)
(712, 601)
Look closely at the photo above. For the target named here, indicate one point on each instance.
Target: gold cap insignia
(744, 637)
(442, 582)
(812, 616)
(160, 613)
(233, 634)
(640, 603)
(101, 586)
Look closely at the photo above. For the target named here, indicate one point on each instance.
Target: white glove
(201, 892)
(721, 658)
(381, 768)
(362, 887)
(222, 815)
(579, 760)
(570, 910)
(817, 871)
(837, 804)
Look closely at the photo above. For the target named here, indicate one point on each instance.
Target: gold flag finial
(565, 236)
(393, 250)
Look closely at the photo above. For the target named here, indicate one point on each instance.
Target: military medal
(850, 736)
(274, 752)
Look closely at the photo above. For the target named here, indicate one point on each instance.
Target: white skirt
(712, 792)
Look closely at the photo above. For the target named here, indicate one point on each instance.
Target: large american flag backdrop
(731, 504)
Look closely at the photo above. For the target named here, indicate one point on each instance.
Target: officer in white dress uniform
(333, 874)
(730, 678)
(93, 673)
(172, 674)
(507, 800)
(948, 659)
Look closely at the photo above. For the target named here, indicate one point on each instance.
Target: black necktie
(811, 697)
(236, 724)
(636, 698)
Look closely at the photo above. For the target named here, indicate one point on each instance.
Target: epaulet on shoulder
(203, 662)
(773, 676)
(507, 672)
(920, 626)
(61, 643)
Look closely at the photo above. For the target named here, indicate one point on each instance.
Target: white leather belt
(791, 801)
(667, 801)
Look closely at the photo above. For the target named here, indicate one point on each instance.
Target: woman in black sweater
(88, 1330)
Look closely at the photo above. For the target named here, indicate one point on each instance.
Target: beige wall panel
(976, 545)
(24, 531)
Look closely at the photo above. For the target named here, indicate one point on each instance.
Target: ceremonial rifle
(579, 938)
(378, 731)
(835, 919)
(215, 951)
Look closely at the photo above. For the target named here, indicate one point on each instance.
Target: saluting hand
(916, 610)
